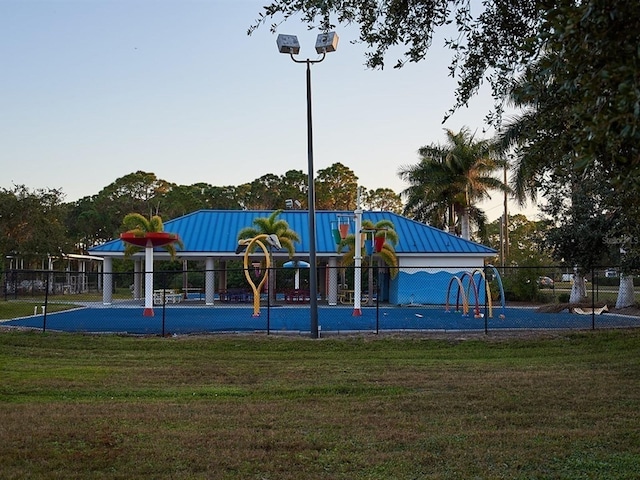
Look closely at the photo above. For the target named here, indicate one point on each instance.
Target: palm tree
(450, 179)
(138, 234)
(382, 228)
(272, 225)
(139, 226)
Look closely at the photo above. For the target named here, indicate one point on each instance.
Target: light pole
(325, 42)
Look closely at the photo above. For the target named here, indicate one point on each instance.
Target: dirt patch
(633, 310)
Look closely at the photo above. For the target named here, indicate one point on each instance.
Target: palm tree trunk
(465, 231)
(452, 222)
(464, 225)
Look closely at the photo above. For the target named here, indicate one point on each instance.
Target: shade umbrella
(297, 264)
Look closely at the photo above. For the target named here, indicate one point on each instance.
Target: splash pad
(464, 290)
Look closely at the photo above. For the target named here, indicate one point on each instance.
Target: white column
(82, 276)
(332, 293)
(209, 281)
(148, 281)
(107, 290)
(357, 261)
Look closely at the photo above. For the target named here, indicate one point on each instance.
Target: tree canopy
(449, 179)
(577, 134)
(490, 42)
(590, 48)
(37, 223)
(32, 223)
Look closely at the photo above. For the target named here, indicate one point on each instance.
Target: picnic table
(297, 296)
(236, 295)
(346, 296)
(166, 296)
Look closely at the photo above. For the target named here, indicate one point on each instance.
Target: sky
(92, 90)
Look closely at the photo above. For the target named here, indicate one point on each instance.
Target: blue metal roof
(216, 232)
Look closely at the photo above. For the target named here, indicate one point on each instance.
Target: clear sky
(92, 90)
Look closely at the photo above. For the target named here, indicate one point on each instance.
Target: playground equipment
(473, 287)
(248, 245)
(148, 241)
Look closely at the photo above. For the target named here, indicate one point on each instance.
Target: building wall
(432, 281)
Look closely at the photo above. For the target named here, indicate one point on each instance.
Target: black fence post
(46, 306)
(486, 302)
(14, 275)
(378, 305)
(269, 278)
(593, 299)
(164, 300)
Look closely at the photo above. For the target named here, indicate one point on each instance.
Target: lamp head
(327, 42)
(288, 44)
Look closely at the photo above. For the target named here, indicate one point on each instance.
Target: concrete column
(137, 279)
(107, 291)
(332, 293)
(209, 281)
(148, 280)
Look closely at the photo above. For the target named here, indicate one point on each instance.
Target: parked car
(611, 273)
(545, 282)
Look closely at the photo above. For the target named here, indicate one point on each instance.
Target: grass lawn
(553, 406)
(15, 309)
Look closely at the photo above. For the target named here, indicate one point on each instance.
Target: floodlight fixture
(288, 44)
(327, 42)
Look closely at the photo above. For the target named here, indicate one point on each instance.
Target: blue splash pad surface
(193, 319)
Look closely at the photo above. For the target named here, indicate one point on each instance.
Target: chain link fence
(368, 299)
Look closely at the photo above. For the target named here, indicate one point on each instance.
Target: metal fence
(425, 298)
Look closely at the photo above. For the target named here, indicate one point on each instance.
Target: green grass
(18, 308)
(364, 407)
(38, 298)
